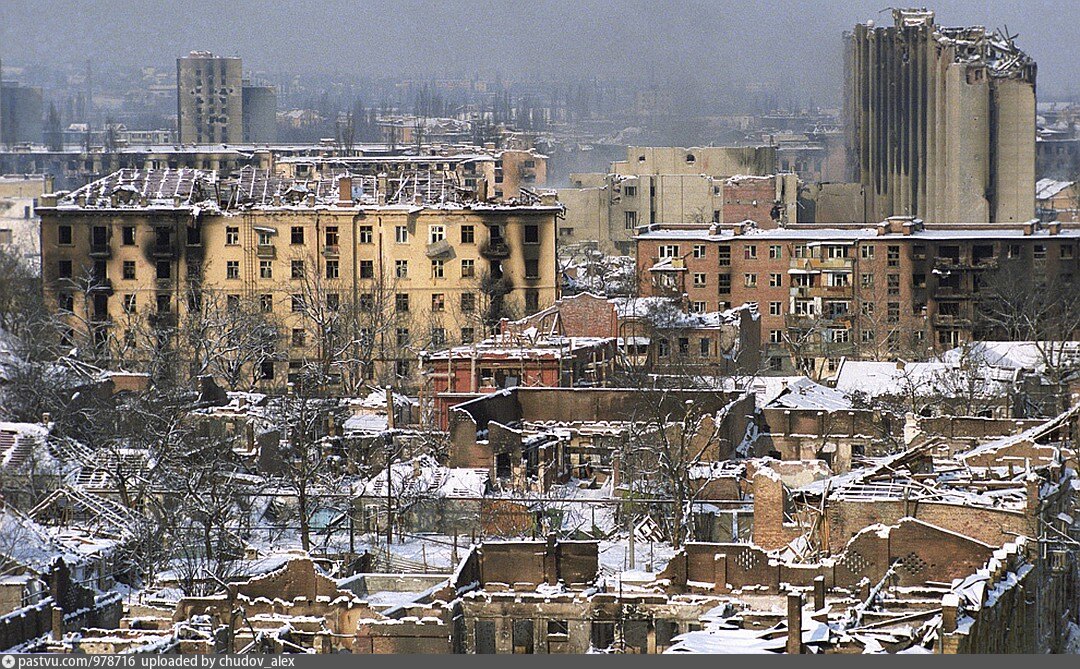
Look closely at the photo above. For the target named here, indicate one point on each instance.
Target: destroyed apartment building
(141, 255)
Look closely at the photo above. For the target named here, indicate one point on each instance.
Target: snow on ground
(649, 558)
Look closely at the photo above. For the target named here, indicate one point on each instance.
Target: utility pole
(388, 441)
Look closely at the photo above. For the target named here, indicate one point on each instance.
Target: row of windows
(365, 235)
(298, 303)
(842, 251)
(704, 347)
(331, 235)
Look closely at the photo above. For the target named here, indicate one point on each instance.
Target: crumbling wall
(427, 636)
(531, 563)
(1001, 614)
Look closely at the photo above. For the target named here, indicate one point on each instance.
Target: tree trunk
(305, 529)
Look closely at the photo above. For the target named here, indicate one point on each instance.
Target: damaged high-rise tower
(940, 121)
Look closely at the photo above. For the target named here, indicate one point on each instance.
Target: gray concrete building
(209, 99)
(259, 114)
(21, 114)
(940, 121)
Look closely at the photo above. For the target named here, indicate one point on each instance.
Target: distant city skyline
(694, 42)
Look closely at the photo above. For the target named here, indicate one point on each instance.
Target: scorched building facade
(339, 279)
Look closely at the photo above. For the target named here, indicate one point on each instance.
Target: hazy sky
(780, 42)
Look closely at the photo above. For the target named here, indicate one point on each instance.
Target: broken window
(522, 637)
(503, 470)
(603, 634)
(484, 631)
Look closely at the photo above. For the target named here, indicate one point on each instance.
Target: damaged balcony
(495, 249)
(441, 248)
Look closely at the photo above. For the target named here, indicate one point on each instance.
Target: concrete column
(720, 573)
(819, 593)
(57, 623)
(794, 623)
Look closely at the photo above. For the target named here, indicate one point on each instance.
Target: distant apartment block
(209, 99)
(895, 289)
(259, 114)
(21, 114)
(657, 185)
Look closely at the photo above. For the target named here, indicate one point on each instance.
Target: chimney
(949, 605)
(794, 623)
(46, 418)
(311, 199)
(345, 190)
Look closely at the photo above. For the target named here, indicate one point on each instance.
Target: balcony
(438, 249)
(955, 292)
(495, 249)
(950, 321)
(163, 319)
(949, 264)
(102, 250)
(331, 250)
(266, 251)
(164, 251)
(833, 263)
(100, 285)
(838, 291)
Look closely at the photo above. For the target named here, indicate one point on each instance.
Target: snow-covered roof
(1021, 355)
(424, 477)
(1048, 188)
(802, 393)
(924, 379)
(20, 442)
(664, 312)
(198, 190)
(29, 544)
(813, 233)
(528, 344)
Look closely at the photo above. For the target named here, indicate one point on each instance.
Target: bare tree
(310, 461)
(1018, 304)
(352, 332)
(229, 337)
(666, 441)
(205, 507)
